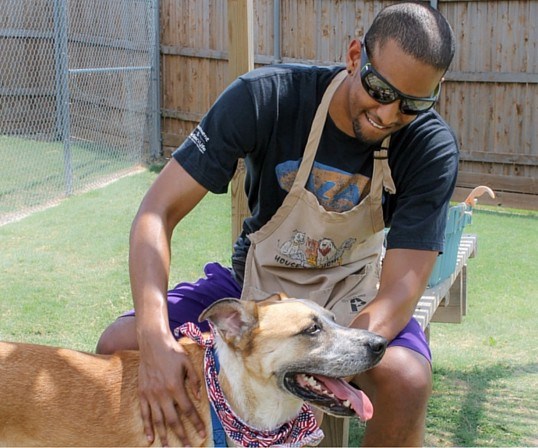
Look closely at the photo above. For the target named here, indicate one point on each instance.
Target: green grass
(64, 272)
(486, 369)
(32, 172)
(63, 277)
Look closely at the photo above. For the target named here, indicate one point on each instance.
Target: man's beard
(357, 130)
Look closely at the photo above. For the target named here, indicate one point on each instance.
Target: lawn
(33, 172)
(63, 271)
(63, 277)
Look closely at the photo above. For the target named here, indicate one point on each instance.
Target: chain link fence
(78, 96)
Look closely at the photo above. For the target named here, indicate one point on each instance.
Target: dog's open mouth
(333, 395)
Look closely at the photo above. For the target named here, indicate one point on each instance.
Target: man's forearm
(403, 279)
(149, 266)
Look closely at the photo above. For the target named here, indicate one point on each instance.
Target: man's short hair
(420, 30)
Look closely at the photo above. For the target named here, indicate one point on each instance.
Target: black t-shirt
(265, 117)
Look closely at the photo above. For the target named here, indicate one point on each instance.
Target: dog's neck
(245, 389)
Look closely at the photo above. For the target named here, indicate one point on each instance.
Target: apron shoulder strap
(381, 161)
(316, 129)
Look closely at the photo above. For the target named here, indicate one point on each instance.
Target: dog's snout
(377, 344)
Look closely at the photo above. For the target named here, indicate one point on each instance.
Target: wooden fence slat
(498, 182)
(241, 60)
(499, 158)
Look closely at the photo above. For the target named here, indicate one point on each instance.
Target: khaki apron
(306, 251)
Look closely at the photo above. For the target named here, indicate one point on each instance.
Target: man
(323, 180)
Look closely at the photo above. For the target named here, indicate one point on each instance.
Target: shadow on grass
(484, 406)
(494, 405)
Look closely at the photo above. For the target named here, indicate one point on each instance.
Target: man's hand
(163, 373)
(164, 366)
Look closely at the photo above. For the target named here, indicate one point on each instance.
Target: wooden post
(240, 38)
(336, 431)
(240, 60)
(452, 311)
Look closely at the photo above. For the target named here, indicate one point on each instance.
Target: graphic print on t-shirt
(336, 190)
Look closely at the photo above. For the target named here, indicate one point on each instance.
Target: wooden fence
(489, 97)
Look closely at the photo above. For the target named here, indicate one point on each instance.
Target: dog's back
(274, 355)
(92, 400)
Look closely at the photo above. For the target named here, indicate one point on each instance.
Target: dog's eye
(312, 329)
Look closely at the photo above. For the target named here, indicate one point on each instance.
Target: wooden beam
(240, 38)
(498, 77)
(240, 61)
(189, 52)
(502, 199)
(260, 59)
(498, 182)
(181, 115)
(499, 157)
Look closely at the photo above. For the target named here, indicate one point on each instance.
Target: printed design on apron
(301, 251)
(305, 250)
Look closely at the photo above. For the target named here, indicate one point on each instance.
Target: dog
(274, 356)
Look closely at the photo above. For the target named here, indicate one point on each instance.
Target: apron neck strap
(382, 177)
(317, 129)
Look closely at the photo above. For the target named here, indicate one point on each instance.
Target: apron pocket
(321, 296)
(352, 293)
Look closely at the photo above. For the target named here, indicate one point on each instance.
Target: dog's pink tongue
(360, 403)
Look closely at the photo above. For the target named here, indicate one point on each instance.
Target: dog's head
(298, 345)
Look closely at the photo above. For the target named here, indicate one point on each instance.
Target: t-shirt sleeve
(225, 134)
(430, 171)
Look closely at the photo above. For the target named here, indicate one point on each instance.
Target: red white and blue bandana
(300, 431)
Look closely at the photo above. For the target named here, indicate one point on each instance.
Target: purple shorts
(186, 301)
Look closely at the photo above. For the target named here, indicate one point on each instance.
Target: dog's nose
(377, 344)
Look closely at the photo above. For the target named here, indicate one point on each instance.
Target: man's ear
(233, 319)
(353, 57)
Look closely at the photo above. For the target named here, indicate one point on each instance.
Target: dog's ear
(233, 319)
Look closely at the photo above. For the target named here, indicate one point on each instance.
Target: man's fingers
(164, 401)
(163, 416)
(174, 423)
(146, 419)
(185, 405)
(159, 424)
(194, 381)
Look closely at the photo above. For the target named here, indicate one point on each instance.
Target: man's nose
(389, 114)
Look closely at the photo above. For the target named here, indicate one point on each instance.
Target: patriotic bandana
(300, 431)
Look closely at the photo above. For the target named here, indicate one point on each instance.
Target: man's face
(372, 121)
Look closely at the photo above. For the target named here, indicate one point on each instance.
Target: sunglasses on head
(383, 92)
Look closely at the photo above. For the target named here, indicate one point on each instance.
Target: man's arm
(404, 277)
(164, 366)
